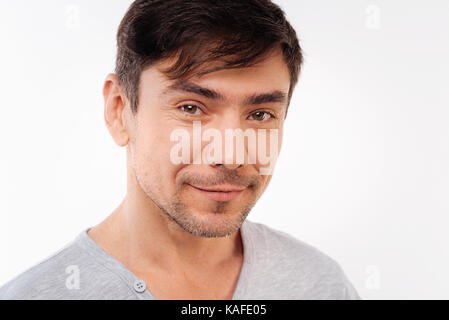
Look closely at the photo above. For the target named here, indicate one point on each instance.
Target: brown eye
(261, 116)
(190, 109)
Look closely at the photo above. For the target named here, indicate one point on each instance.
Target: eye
(261, 116)
(190, 109)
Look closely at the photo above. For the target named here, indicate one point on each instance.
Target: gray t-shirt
(275, 266)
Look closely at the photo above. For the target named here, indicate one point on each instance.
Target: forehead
(266, 81)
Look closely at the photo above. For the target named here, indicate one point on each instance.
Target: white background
(364, 170)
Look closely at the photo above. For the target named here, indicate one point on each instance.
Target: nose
(235, 156)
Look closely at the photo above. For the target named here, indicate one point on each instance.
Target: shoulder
(69, 273)
(285, 246)
(302, 269)
(45, 277)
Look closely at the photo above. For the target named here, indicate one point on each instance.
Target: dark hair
(201, 31)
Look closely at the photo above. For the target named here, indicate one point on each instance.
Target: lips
(219, 193)
(221, 188)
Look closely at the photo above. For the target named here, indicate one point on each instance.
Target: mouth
(220, 193)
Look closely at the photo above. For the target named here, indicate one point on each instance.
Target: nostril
(216, 164)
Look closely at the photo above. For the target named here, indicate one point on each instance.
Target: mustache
(225, 176)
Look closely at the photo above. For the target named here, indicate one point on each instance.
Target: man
(187, 72)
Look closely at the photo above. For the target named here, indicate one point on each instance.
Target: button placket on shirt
(139, 286)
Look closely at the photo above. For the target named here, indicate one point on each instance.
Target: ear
(114, 110)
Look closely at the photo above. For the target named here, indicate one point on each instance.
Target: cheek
(152, 158)
(266, 151)
(153, 142)
(265, 181)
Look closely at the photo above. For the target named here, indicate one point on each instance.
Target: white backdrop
(364, 170)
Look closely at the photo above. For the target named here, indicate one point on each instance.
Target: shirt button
(139, 286)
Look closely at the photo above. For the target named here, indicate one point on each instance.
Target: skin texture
(183, 244)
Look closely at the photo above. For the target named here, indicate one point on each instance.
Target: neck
(142, 237)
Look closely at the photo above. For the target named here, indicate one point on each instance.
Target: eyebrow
(253, 99)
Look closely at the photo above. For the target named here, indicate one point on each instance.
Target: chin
(212, 224)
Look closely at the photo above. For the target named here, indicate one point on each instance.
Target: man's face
(178, 188)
